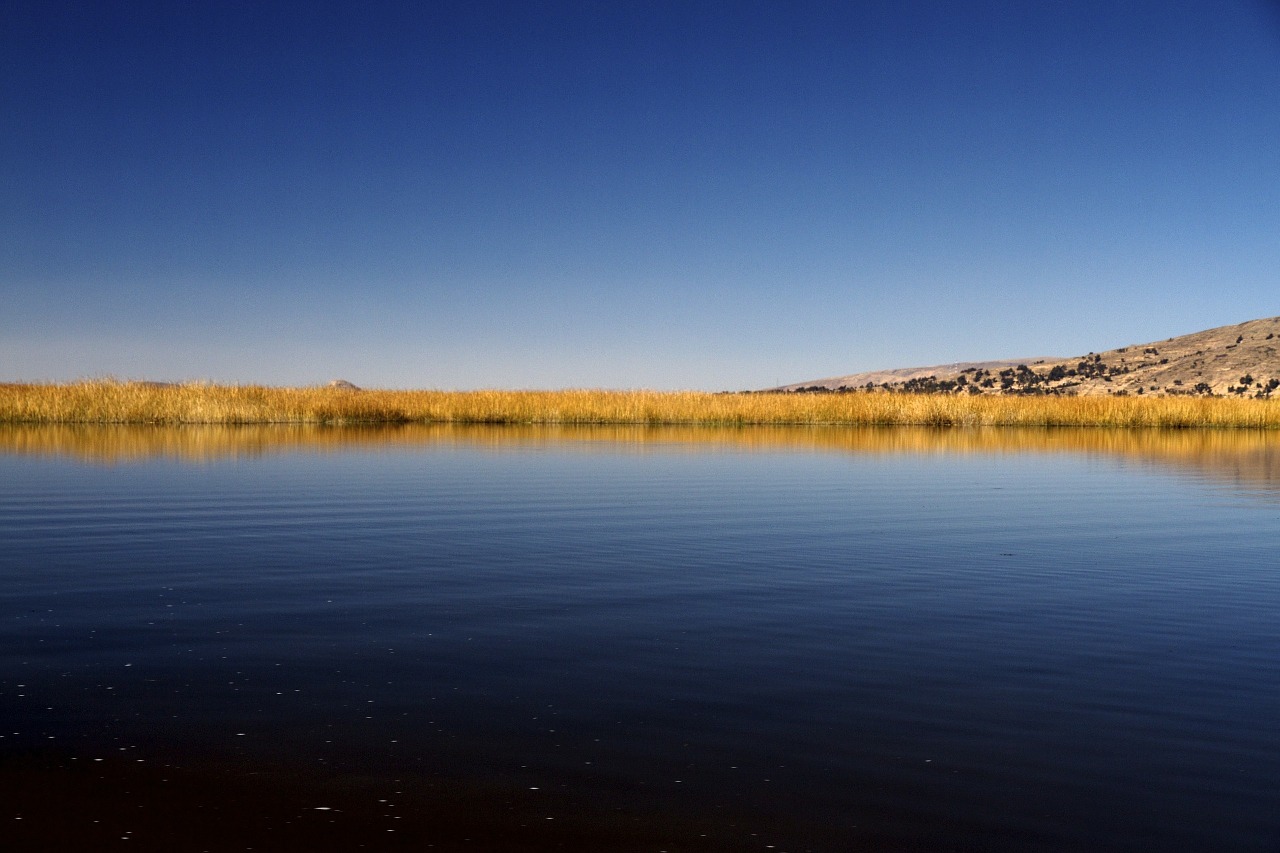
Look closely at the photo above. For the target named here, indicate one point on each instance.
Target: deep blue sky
(714, 195)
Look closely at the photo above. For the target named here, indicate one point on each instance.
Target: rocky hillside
(1231, 361)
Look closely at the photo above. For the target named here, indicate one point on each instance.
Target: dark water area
(506, 639)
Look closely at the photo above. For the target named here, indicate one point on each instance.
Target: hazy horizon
(668, 195)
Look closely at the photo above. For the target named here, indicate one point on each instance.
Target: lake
(626, 638)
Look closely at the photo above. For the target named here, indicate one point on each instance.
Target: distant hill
(1233, 361)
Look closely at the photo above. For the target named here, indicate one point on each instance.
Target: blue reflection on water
(1018, 651)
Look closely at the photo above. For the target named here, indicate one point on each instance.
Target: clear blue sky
(715, 195)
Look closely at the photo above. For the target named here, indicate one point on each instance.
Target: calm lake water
(681, 639)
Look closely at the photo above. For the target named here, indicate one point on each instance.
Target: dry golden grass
(111, 402)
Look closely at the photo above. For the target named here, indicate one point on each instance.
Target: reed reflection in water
(1244, 458)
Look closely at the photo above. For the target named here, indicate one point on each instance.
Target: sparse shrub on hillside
(1092, 368)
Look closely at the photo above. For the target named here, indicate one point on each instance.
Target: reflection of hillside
(1247, 458)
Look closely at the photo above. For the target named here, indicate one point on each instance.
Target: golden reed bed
(111, 402)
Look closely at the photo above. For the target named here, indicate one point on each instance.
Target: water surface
(627, 638)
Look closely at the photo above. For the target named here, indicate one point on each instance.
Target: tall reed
(192, 403)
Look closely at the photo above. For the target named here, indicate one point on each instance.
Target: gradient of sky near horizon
(713, 195)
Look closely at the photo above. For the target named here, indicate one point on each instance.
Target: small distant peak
(344, 385)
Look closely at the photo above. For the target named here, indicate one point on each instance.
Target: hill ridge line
(1238, 360)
